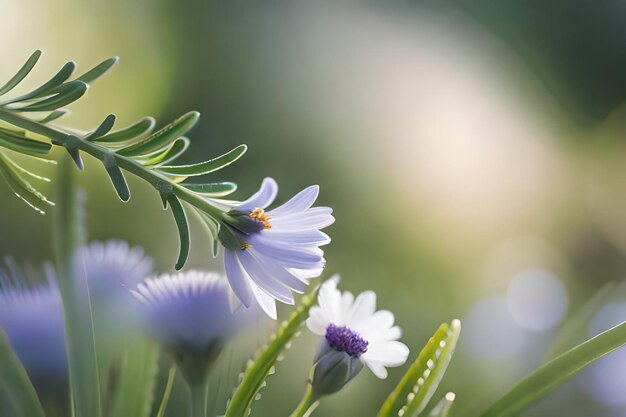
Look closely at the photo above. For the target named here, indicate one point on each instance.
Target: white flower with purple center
(355, 327)
(271, 253)
(190, 314)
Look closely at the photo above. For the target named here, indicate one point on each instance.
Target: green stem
(160, 182)
(199, 399)
(307, 405)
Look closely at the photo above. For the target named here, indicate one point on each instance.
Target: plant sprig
(137, 149)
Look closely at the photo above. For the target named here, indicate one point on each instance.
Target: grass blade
(22, 73)
(74, 287)
(258, 370)
(206, 166)
(418, 385)
(15, 385)
(171, 376)
(549, 376)
(442, 409)
(135, 389)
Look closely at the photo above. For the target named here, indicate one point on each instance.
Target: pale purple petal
(262, 198)
(266, 302)
(294, 257)
(280, 273)
(260, 277)
(237, 279)
(303, 237)
(300, 202)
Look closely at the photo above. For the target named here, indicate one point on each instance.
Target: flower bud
(332, 370)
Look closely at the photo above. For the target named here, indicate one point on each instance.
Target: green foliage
(254, 377)
(443, 407)
(418, 385)
(135, 149)
(15, 387)
(135, 388)
(79, 328)
(549, 376)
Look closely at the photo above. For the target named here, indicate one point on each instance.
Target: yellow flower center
(259, 214)
(245, 245)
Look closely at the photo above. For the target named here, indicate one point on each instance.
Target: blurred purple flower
(32, 319)
(270, 254)
(190, 313)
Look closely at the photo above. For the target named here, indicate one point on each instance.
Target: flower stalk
(199, 399)
(308, 403)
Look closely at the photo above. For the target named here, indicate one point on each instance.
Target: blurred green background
(473, 153)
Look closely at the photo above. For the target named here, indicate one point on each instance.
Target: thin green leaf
(168, 154)
(549, 376)
(162, 137)
(21, 187)
(66, 94)
(18, 143)
(104, 128)
(167, 392)
(183, 229)
(57, 114)
(207, 166)
(74, 287)
(419, 383)
(215, 189)
(98, 71)
(443, 407)
(574, 329)
(135, 389)
(15, 386)
(22, 73)
(117, 178)
(133, 131)
(47, 88)
(258, 370)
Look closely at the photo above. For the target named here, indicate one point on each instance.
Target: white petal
(262, 198)
(376, 368)
(257, 273)
(388, 353)
(329, 299)
(362, 309)
(317, 321)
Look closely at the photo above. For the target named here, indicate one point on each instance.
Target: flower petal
(362, 309)
(262, 198)
(300, 202)
(266, 302)
(388, 354)
(260, 277)
(376, 368)
(237, 278)
(317, 321)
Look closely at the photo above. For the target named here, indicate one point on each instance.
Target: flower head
(271, 253)
(32, 319)
(353, 326)
(190, 314)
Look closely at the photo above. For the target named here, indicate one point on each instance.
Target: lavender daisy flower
(190, 314)
(269, 254)
(32, 319)
(110, 269)
(354, 327)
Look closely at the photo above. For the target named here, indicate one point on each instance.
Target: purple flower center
(346, 340)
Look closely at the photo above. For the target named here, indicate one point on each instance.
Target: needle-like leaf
(22, 73)
(206, 166)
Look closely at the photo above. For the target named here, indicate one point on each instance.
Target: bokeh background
(474, 153)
